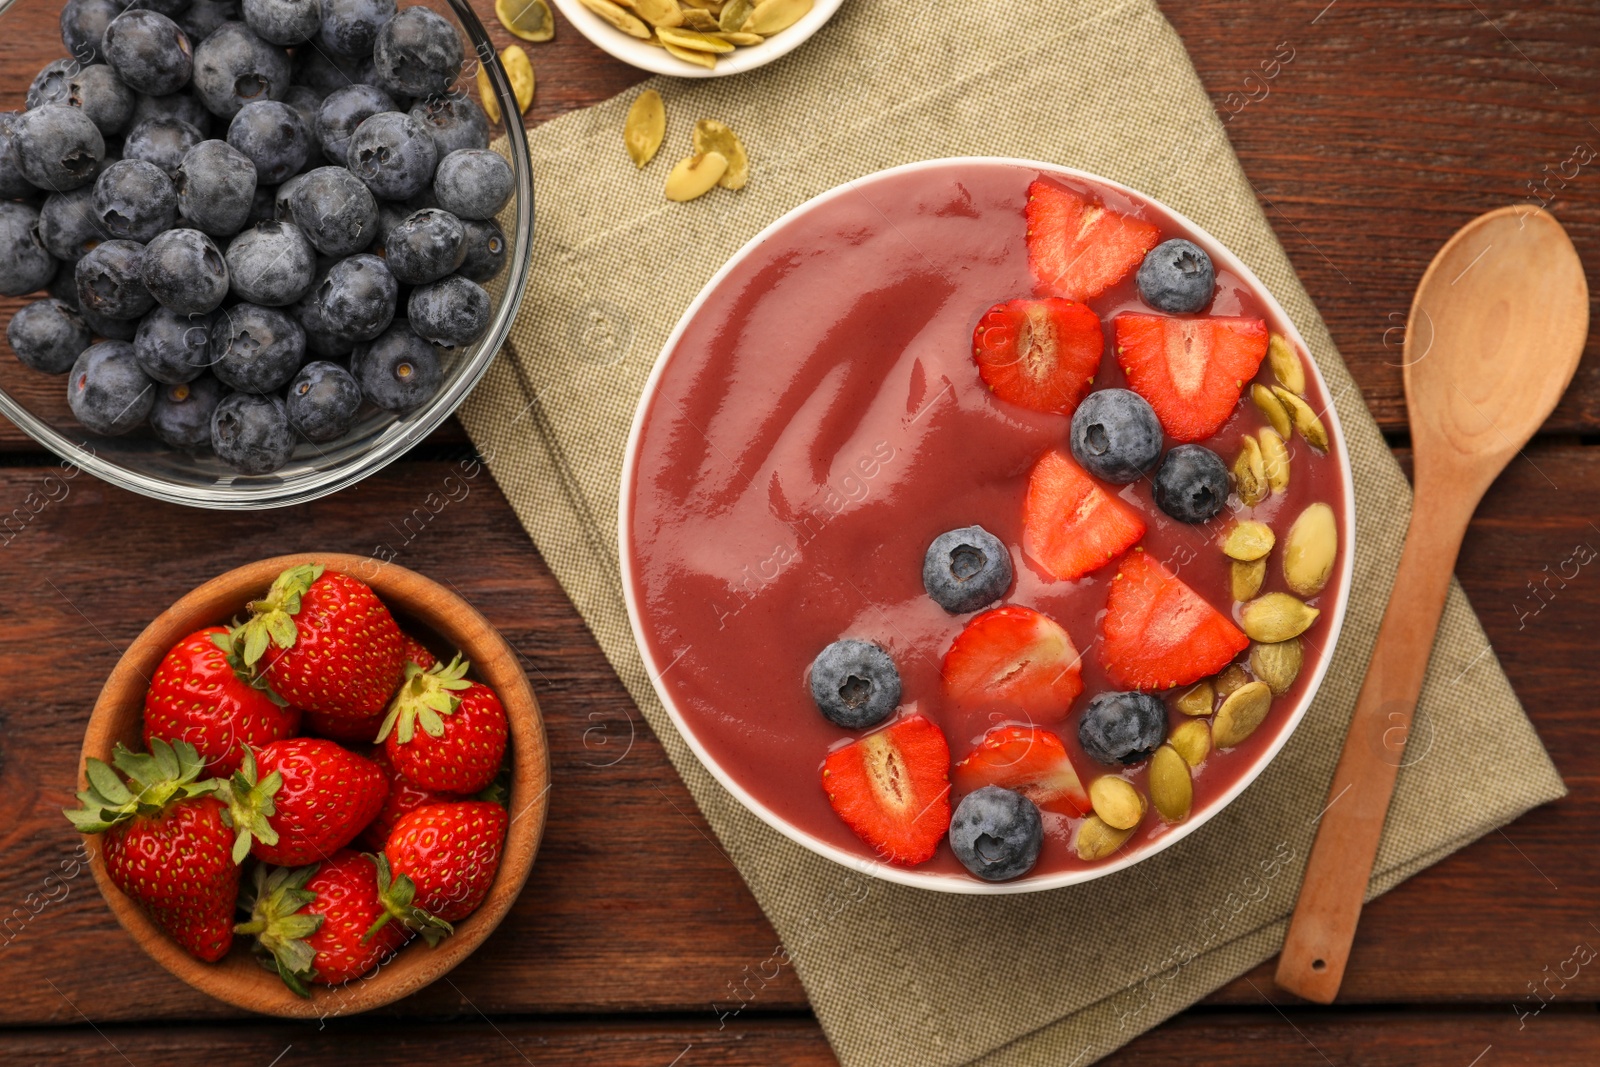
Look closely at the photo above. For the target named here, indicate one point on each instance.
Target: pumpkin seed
(1277, 664)
(529, 19)
(1096, 840)
(1198, 699)
(1286, 365)
(712, 136)
(1250, 474)
(1246, 578)
(519, 72)
(1276, 617)
(695, 176)
(1240, 714)
(1171, 788)
(1305, 420)
(1247, 541)
(658, 13)
(700, 42)
(770, 16)
(1231, 679)
(1275, 458)
(1268, 405)
(734, 15)
(691, 55)
(745, 39)
(699, 20)
(1309, 550)
(645, 127)
(1192, 740)
(712, 6)
(491, 106)
(620, 18)
(1116, 801)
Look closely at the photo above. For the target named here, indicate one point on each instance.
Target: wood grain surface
(635, 938)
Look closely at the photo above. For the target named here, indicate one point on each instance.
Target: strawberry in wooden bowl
(309, 811)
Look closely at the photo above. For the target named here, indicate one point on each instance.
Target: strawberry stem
(250, 806)
(272, 617)
(397, 892)
(274, 897)
(166, 774)
(423, 697)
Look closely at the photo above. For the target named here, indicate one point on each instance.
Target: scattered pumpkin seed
(698, 57)
(1275, 458)
(700, 42)
(1286, 365)
(645, 127)
(1116, 801)
(770, 16)
(1305, 420)
(1096, 840)
(1277, 664)
(1230, 680)
(529, 19)
(1198, 699)
(1192, 740)
(658, 13)
(1250, 474)
(713, 136)
(519, 72)
(744, 39)
(1247, 541)
(1269, 406)
(1240, 714)
(618, 17)
(695, 176)
(1309, 550)
(491, 106)
(1276, 617)
(1171, 787)
(734, 15)
(1246, 578)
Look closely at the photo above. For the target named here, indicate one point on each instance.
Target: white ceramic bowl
(636, 53)
(961, 883)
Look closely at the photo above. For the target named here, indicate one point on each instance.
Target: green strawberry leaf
(250, 806)
(274, 901)
(166, 775)
(425, 695)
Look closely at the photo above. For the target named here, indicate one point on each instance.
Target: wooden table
(1391, 126)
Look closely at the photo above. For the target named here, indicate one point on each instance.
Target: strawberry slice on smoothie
(1071, 524)
(1190, 370)
(1028, 759)
(1159, 633)
(1039, 354)
(892, 788)
(1078, 248)
(1017, 658)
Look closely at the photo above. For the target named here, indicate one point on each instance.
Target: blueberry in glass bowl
(220, 176)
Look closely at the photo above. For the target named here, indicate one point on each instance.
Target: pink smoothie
(820, 420)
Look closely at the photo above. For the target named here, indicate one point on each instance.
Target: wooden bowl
(444, 622)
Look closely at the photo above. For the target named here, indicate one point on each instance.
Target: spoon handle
(1324, 925)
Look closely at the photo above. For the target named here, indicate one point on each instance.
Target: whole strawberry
(450, 852)
(165, 843)
(317, 923)
(403, 798)
(301, 800)
(348, 731)
(325, 642)
(463, 729)
(203, 694)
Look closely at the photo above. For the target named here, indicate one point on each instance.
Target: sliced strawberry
(1040, 354)
(1029, 759)
(1159, 633)
(1191, 370)
(1016, 657)
(1078, 248)
(1071, 524)
(892, 788)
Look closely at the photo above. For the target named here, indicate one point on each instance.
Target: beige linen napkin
(900, 976)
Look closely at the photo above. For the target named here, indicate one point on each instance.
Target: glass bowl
(37, 402)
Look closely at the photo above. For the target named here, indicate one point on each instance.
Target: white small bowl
(636, 53)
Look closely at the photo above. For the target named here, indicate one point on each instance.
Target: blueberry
(163, 142)
(966, 569)
(307, 102)
(233, 67)
(107, 391)
(182, 106)
(201, 18)
(184, 271)
(473, 183)
(1122, 727)
(425, 246)
(111, 281)
(996, 833)
(450, 312)
(58, 148)
(454, 120)
(485, 250)
(263, 202)
(251, 433)
(283, 21)
(12, 182)
(323, 401)
(148, 51)
(25, 265)
(83, 26)
(48, 335)
(110, 329)
(135, 200)
(281, 197)
(94, 89)
(323, 340)
(342, 111)
(1176, 276)
(1191, 484)
(335, 210)
(173, 347)
(1116, 435)
(350, 27)
(327, 72)
(398, 371)
(416, 53)
(216, 185)
(256, 349)
(271, 263)
(855, 684)
(64, 287)
(181, 415)
(271, 134)
(393, 154)
(170, 8)
(357, 298)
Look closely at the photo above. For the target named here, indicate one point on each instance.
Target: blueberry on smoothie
(996, 833)
(1122, 727)
(1192, 484)
(966, 569)
(1116, 435)
(1177, 277)
(855, 684)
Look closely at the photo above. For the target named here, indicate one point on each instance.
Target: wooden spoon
(1495, 333)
